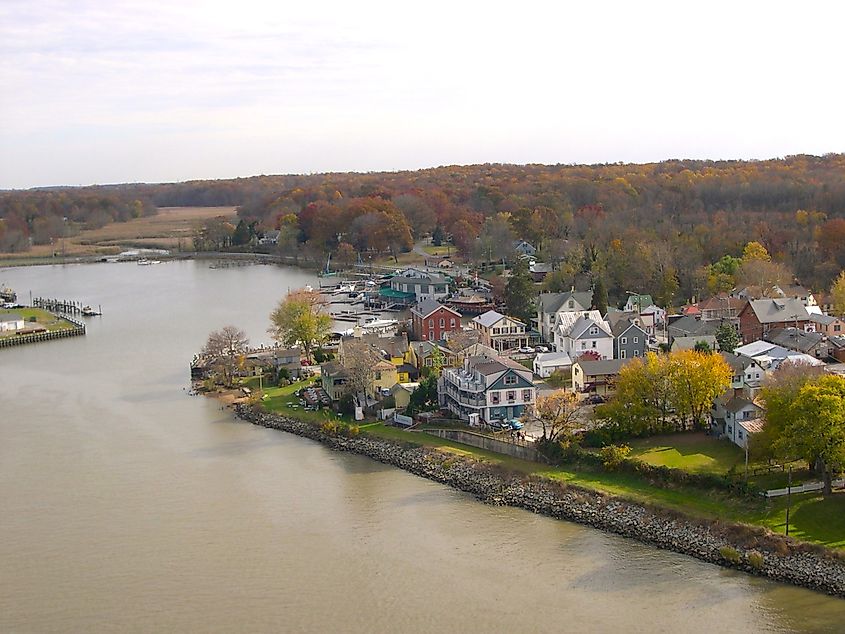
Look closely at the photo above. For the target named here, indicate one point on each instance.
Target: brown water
(127, 505)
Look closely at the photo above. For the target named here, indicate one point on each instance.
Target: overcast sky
(105, 92)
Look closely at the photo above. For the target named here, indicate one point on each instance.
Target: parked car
(541, 349)
(526, 350)
(595, 399)
(515, 424)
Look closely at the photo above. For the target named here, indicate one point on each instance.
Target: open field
(170, 228)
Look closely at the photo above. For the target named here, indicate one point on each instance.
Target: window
(431, 323)
(836, 327)
(378, 376)
(624, 341)
(431, 335)
(622, 354)
(636, 339)
(572, 303)
(452, 323)
(526, 395)
(583, 345)
(636, 353)
(594, 344)
(730, 429)
(594, 331)
(494, 398)
(442, 322)
(510, 379)
(511, 396)
(739, 433)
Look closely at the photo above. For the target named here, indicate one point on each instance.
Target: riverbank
(753, 550)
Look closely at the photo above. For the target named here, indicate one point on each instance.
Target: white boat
(144, 262)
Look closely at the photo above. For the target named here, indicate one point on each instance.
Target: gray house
(550, 304)
(629, 340)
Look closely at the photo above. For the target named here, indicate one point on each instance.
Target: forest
(663, 228)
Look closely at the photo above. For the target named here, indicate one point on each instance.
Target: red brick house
(432, 320)
(759, 316)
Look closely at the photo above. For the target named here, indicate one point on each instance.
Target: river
(128, 505)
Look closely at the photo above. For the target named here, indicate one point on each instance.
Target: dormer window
(572, 303)
(594, 330)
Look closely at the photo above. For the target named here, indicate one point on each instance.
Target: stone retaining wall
(783, 559)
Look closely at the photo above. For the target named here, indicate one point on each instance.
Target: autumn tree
(642, 401)
(300, 319)
(816, 429)
(359, 360)
(696, 378)
(837, 294)
(224, 347)
(557, 415)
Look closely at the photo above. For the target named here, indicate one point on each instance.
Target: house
(769, 356)
(689, 343)
(587, 334)
(539, 270)
(759, 316)
(547, 363)
(747, 375)
(500, 332)
(487, 388)
(10, 322)
(637, 302)
(825, 303)
(629, 339)
(524, 248)
(401, 393)
(837, 346)
(270, 237)
(828, 324)
(413, 286)
(333, 379)
(689, 326)
(275, 359)
(549, 305)
(655, 314)
(423, 353)
(814, 344)
(597, 377)
(734, 417)
(720, 307)
(431, 320)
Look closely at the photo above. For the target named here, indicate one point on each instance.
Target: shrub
(33, 319)
(612, 456)
(352, 430)
(331, 427)
(755, 559)
(730, 554)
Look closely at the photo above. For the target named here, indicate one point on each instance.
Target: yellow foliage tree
(837, 294)
(696, 378)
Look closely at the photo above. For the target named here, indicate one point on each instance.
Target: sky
(96, 92)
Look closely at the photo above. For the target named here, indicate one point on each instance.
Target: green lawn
(284, 401)
(696, 453)
(439, 251)
(43, 318)
(813, 518)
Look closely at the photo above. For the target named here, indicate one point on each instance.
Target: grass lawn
(43, 318)
(813, 518)
(438, 251)
(284, 401)
(696, 453)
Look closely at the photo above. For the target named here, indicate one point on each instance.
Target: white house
(734, 418)
(499, 331)
(587, 334)
(550, 362)
(10, 322)
(550, 305)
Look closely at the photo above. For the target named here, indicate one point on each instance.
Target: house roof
(584, 324)
(420, 279)
(605, 366)
(753, 426)
(493, 364)
(738, 403)
(722, 302)
(621, 326)
(689, 343)
(780, 310)
(333, 368)
(689, 325)
(407, 387)
(491, 317)
(825, 320)
(640, 300)
(11, 317)
(738, 364)
(554, 302)
(428, 306)
(553, 358)
(795, 339)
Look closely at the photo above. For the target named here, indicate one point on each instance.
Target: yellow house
(402, 393)
(385, 376)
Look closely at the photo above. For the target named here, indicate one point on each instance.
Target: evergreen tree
(600, 296)
(520, 293)
(727, 338)
(438, 236)
(241, 235)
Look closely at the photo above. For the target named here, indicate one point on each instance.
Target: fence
(515, 450)
(802, 488)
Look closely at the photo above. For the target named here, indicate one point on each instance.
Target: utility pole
(788, 498)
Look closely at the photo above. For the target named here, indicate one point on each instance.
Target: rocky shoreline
(752, 550)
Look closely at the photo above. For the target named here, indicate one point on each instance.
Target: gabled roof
(491, 317)
(428, 306)
(554, 358)
(773, 311)
(824, 320)
(10, 317)
(689, 325)
(737, 404)
(738, 364)
(605, 366)
(621, 326)
(584, 324)
(421, 279)
(722, 302)
(565, 321)
(555, 302)
(795, 339)
(689, 343)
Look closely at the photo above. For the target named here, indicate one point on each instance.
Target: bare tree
(225, 347)
(359, 359)
(557, 415)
